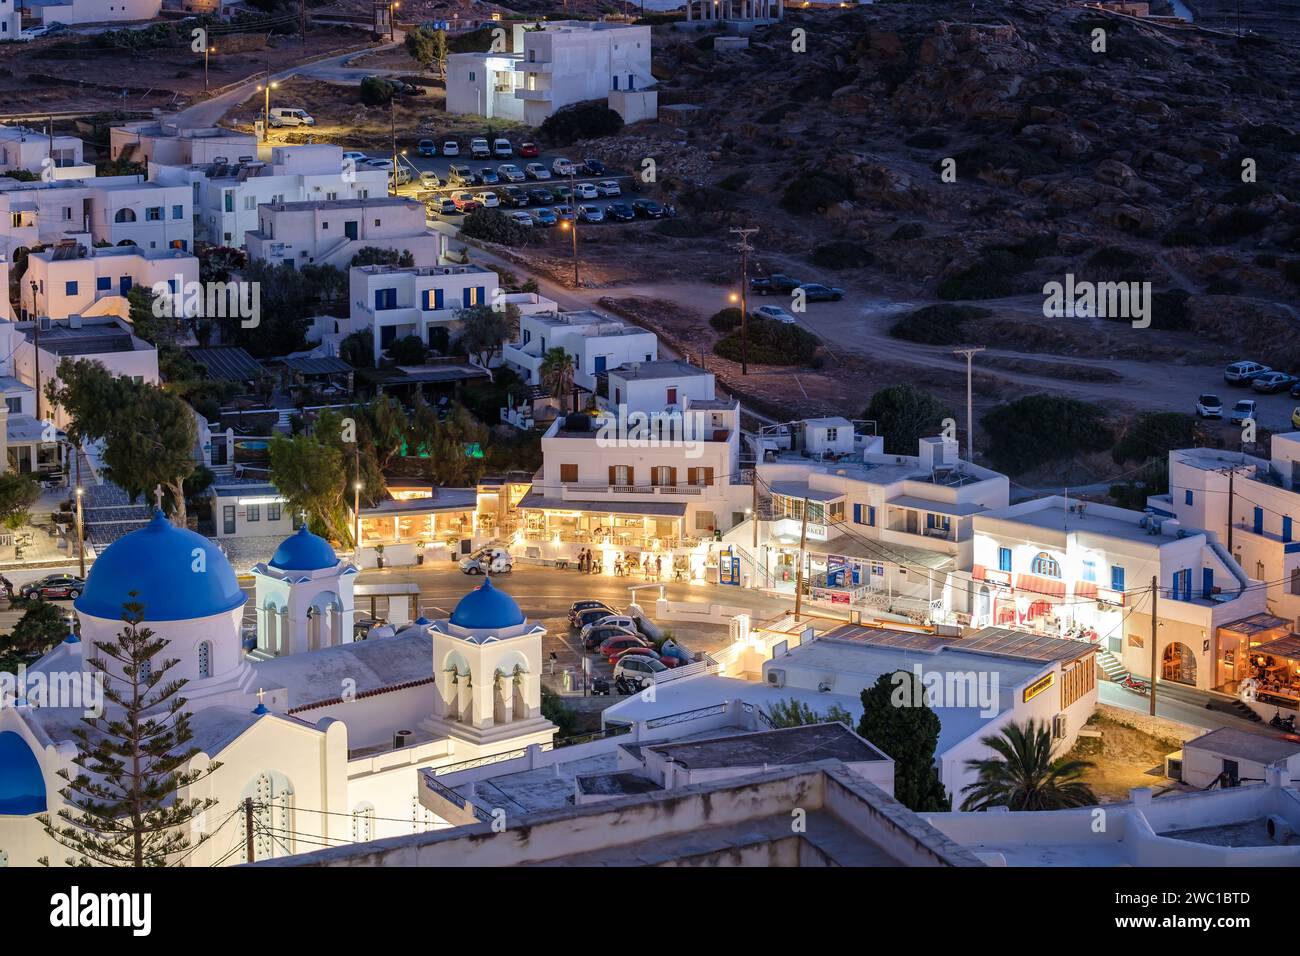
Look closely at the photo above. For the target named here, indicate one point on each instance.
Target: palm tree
(1024, 775)
(556, 372)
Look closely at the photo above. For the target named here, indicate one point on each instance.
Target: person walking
(659, 567)
(618, 565)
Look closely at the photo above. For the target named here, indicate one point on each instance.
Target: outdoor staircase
(1238, 709)
(1112, 667)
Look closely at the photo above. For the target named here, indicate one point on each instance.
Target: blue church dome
(485, 608)
(22, 787)
(160, 562)
(304, 551)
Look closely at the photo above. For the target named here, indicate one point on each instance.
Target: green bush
(937, 324)
(376, 91)
(903, 415)
(1040, 429)
(581, 121)
(980, 281)
(725, 320)
(492, 225)
(1154, 435)
(843, 254)
(814, 192)
(770, 343)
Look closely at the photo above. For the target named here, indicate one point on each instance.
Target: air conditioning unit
(1279, 830)
(1060, 726)
(402, 738)
(776, 677)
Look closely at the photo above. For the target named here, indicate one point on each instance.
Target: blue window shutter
(104, 283)
(857, 514)
(464, 297)
(70, 288)
(437, 299)
(1259, 521)
(424, 300)
(871, 515)
(379, 299)
(1286, 527)
(482, 295)
(1187, 496)
(1207, 582)
(1116, 578)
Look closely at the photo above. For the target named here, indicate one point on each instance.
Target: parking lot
(436, 184)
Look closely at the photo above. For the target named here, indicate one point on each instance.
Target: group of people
(651, 566)
(587, 563)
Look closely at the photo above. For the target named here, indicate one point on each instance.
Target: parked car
(1209, 406)
(427, 147)
(589, 604)
(648, 209)
(34, 33)
(775, 313)
(586, 191)
(53, 586)
(352, 156)
(501, 148)
(609, 188)
(488, 199)
(543, 197)
(563, 167)
(562, 192)
(510, 173)
(400, 176)
(599, 635)
(1241, 373)
(638, 671)
(1243, 410)
(291, 116)
(816, 292)
(591, 213)
(521, 218)
(593, 615)
(528, 150)
(459, 174)
(563, 212)
(611, 620)
(649, 652)
(465, 202)
(514, 197)
(489, 560)
(619, 642)
(1295, 417)
(620, 211)
(446, 207)
(487, 176)
(450, 147)
(537, 171)
(777, 284)
(479, 148)
(1272, 382)
(377, 162)
(544, 217)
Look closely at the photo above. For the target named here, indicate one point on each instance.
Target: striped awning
(1040, 585)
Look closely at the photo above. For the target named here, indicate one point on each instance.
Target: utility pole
(391, 34)
(36, 333)
(81, 540)
(356, 504)
(970, 413)
(392, 132)
(573, 226)
(266, 105)
(1232, 473)
(1155, 632)
(248, 829)
(206, 51)
(302, 20)
(753, 481)
(798, 571)
(745, 249)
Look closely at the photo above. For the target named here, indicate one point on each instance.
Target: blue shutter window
(104, 284)
(857, 514)
(1187, 496)
(1259, 521)
(70, 288)
(1004, 559)
(437, 299)
(1207, 582)
(464, 297)
(1286, 527)
(1116, 578)
(871, 515)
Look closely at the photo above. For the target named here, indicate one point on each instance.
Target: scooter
(1286, 723)
(1137, 684)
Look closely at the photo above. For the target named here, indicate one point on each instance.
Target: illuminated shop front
(417, 527)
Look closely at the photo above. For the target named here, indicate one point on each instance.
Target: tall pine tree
(124, 804)
(897, 719)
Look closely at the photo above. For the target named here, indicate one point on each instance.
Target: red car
(528, 150)
(664, 659)
(613, 645)
(465, 202)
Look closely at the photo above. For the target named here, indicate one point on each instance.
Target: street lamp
(81, 541)
(36, 330)
(356, 519)
(391, 8)
(266, 106)
(206, 51)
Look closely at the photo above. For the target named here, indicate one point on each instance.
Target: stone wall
(1160, 727)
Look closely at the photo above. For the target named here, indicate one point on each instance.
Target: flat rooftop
(308, 204)
(91, 339)
(1052, 515)
(660, 368)
(829, 741)
(1259, 748)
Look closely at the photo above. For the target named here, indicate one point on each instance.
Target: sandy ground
(1125, 758)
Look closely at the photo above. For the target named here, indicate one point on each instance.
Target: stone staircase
(1111, 666)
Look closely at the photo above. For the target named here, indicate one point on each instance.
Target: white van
(285, 116)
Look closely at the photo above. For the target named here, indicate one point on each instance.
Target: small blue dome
(22, 787)
(487, 609)
(304, 551)
(177, 575)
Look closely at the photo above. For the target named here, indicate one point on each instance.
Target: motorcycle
(1286, 723)
(1137, 684)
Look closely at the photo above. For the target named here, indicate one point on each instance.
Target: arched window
(363, 823)
(1045, 565)
(205, 660)
(125, 215)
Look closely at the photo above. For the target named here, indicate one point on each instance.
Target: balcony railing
(572, 489)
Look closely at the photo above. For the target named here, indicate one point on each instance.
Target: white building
(228, 194)
(112, 210)
(884, 533)
(303, 595)
(331, 233)
(329, 742)
(21, 148)
(1059, 566)
(151, 141)
(70, 279)
(556, 64)
(11, 19)
(597, 343)
(93, 11)
(394, 302)
(1262, 495)
(243, 509)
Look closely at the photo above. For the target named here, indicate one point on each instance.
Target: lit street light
(266, 106)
